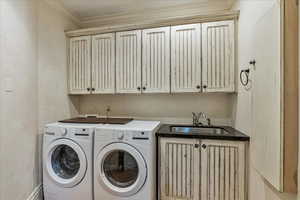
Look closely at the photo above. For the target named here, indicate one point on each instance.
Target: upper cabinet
(156, 60)
(218, 66)
(128, 62)
(80, 65)
(103, 63)
(185, 58)
(177, 59)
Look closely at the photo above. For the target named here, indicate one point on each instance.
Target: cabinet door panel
(185, 58)
(103, 66)
(218, 73)
(222, 170)
(156, 60)
(128, 59)
(179, 169)
(80, 65)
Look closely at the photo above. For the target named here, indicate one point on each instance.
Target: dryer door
(121, 169)
(66, 163)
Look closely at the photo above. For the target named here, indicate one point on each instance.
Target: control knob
(64, 131)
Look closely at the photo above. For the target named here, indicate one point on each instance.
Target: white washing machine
(68, 161)
(125, 161)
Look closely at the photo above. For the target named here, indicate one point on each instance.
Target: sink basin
(200, 130)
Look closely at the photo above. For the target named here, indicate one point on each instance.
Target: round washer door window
(66, 163)
(122, 169)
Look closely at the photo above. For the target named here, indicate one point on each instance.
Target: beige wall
(33, 69)
(19, 114)
(251, 12)
(164, 107)
(54, 102)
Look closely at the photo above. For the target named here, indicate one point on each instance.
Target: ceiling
(88, 9)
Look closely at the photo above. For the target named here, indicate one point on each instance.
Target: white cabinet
(128, 62)
(103, 63)
(223, 170)
(179, 169)
(177, 59)
(218, 56)
(185, 58)
(195, 169)
(79, 75)
(156, 60)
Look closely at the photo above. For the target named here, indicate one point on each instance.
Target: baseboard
(37, 193)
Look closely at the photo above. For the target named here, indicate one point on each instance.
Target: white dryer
(125, 161)
(67, 161)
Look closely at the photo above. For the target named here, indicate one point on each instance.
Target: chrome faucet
(197, 117)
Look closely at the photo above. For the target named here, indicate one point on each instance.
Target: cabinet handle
(198, 87)
(138, 88)
(88, 89)
(144, 88)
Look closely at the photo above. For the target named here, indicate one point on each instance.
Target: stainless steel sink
(203, 130)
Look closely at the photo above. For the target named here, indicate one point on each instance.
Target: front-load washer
(68, 161)
(125, 161)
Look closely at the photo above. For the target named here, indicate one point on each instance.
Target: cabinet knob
(144, 88)
(203, 146)
(93, 89)
(198, 87)
(88, 89)
(138, 88)
(204, 86)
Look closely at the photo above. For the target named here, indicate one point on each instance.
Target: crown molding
(58, 5)
(158, 22)
(177, 10)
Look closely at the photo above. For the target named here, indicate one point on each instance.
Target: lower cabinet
(194, 169)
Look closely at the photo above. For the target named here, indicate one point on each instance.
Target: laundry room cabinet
(103, 63)
(190, 58)
(129, 62)
(186, 58)
(156, 60)
(218, 49)
(195, 169)
(79, 75)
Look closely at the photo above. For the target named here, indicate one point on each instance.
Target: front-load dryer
(125, 161)
(67, 161)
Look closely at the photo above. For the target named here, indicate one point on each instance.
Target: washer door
(66, 163)
(121, 169)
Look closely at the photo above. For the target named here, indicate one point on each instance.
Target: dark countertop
(166, 131)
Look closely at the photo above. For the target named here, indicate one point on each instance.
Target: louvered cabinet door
(179, 169)
(156, 60)
(79, 74)
(103, 63)
(128, 58)
(185, 58)
(218, 56)
(223, 170)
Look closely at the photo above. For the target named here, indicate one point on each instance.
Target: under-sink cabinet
(194, 169)
(195, 58)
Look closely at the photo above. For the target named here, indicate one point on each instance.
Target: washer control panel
(140, 135)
